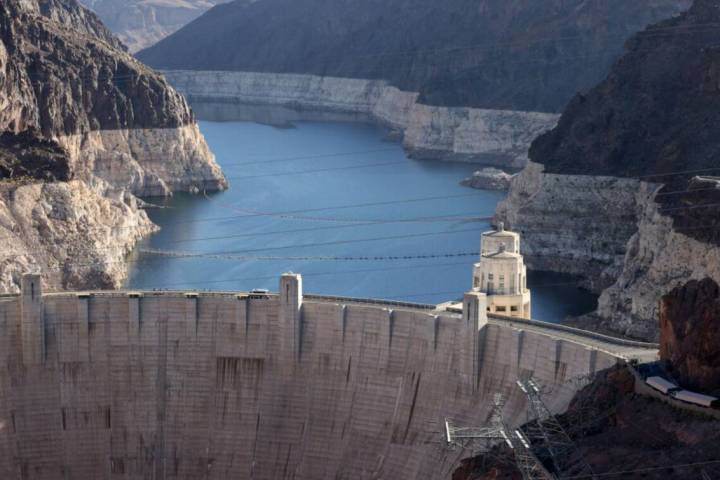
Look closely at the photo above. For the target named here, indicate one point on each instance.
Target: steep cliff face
(577, 224)
(77, 236)
(690, 334)
(497, 54)
(83, 127)
(653, 121)
(141, 23)
(660, 257)
(63, 81)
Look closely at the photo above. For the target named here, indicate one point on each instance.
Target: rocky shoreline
(76, 235)
(85, 128)
(492, 137)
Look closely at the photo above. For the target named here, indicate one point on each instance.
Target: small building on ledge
(501, 274)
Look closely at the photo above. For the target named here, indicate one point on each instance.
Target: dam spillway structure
(200, 385)
(501, 274)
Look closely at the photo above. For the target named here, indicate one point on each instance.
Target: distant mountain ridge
(141, 23)
(503, 54)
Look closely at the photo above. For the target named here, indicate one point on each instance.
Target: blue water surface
(337, 203)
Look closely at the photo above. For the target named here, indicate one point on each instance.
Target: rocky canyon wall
(78, 235)
(614, 234)
(217, 386)
(652, 224)
(75, 106)
(576, 224)
(660, 257)
(494, 137)
(68, 85)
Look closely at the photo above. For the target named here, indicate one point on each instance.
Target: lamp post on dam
(501, 274)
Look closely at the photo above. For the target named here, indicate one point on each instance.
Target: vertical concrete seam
(300, 330)
(558, 356)
(391, 327)
(520, 346)
(343, 321)
(592, 367)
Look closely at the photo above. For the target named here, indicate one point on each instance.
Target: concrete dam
(191, 385)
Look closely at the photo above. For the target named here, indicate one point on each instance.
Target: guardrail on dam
(174, 385)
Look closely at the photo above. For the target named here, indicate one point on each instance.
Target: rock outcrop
(488, 179)
(690, 334)
(141, 23)
(650, 126)
(83, 128)
(27, 156)
(77, 236)
(493, 54)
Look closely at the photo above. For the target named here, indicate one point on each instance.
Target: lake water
(341, 206)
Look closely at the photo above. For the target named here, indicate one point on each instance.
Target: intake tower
(501, 274)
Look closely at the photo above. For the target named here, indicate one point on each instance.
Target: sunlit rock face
(77, 236)
(690, 334)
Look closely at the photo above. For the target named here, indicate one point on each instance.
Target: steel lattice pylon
(485, 437)
(547, 438)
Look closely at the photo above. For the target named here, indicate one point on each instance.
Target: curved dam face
(117, 385)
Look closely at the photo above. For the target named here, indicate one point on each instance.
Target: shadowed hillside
(529, 55)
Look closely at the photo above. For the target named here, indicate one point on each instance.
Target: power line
(311, 157)
(318, 274)
(319, 170)
(316, 244)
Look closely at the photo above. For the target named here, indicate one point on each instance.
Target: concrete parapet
(32, 320)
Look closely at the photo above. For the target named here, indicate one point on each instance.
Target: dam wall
(494, 137)
(187, 385)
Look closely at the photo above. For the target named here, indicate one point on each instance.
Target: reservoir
(339, 204)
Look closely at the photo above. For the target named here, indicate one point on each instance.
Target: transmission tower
(530, 466)
(547, 438)
(481, 438)
(484, 438)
